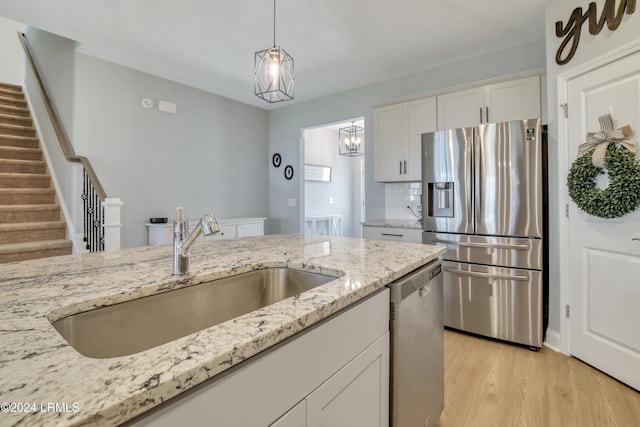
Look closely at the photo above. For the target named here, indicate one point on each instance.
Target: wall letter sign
(571, 31)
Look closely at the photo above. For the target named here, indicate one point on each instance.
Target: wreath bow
(599, 141)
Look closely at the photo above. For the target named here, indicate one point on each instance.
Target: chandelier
(351, 140)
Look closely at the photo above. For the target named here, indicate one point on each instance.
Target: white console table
(230, 228)
(333, 224)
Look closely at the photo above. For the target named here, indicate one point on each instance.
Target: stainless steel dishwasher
(417, 348)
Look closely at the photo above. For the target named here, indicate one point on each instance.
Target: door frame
(563, 169)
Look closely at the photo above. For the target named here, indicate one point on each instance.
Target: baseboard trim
(552, 340)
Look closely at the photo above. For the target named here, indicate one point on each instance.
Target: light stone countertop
(37, 366)
(398, 223)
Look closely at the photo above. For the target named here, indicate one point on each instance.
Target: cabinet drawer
(392, 234)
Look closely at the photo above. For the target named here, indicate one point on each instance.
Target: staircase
(30, 217)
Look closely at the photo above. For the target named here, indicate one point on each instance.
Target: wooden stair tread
(35, 246)
(14, 110)
(7, 100)
(20, 153)
(39, 207)
(13, 94)
(23, 226)
(11, 86)
(6, 118)
(20, 149)
(22, 162)
(19, 130)
(23, 175)
(29, 191)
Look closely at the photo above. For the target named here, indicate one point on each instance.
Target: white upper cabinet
(461, 109)
(512, 100)
(397, 146)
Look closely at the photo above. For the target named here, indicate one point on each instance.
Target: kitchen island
(38, 367)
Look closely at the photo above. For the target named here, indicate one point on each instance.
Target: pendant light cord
(274, 23)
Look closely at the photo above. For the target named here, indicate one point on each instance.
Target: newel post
(112, 223)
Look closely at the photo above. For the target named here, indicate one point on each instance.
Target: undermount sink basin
(140, 324)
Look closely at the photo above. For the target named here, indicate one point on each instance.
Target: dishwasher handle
(417, 281)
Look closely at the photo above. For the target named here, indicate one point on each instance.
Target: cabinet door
(513, 100)
(421, 118)
(357, 395)
(296, 417)
(250, 229)
(226, 232)
(389, 142)
(461, 109)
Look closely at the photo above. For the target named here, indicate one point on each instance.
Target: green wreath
(620, 197)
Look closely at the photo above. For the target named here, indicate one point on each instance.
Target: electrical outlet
(330, 200)
(292, 202)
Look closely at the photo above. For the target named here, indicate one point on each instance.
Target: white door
(604, 257)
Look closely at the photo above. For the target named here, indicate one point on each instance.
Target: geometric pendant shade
(273, 71)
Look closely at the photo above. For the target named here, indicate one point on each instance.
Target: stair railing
(94, 197)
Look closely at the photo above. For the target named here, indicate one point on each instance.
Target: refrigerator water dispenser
(440, 199)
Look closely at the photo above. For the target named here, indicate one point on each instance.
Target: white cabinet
(397, 146)
(354, 396)
(230, 228)
(512, 100)
(235, 228)
(335, 374)
(393, 234)
(460, 109)
(296, 417)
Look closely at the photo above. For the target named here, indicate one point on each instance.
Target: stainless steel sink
(143, 323)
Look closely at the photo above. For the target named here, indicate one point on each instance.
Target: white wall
(12, 69)
(590, 48)
(285, 123)
(212, 156)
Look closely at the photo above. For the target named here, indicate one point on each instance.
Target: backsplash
(398, 196)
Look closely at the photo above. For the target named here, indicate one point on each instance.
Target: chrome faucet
(182, 240)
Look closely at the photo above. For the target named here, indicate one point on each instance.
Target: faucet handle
(179, 214)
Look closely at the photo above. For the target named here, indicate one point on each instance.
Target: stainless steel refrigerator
(483, 199)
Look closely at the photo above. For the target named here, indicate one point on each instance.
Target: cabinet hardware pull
(480, 115)
(391, 234)
(487, 115)
(636, 238)
(400, 167)
(405, 167)
(520, 247)
(486, 275)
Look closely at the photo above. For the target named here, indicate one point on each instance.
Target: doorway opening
(333, 184)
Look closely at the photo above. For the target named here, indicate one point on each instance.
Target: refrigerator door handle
(486, 275)
(518, 247)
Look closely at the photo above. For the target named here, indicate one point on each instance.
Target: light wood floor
(500, 385)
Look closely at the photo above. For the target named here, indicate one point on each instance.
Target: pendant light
(273, 71)
(351, 140)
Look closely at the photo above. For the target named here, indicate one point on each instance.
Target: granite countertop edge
(37, 366)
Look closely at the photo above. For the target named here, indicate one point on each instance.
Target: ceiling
(336, 44)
